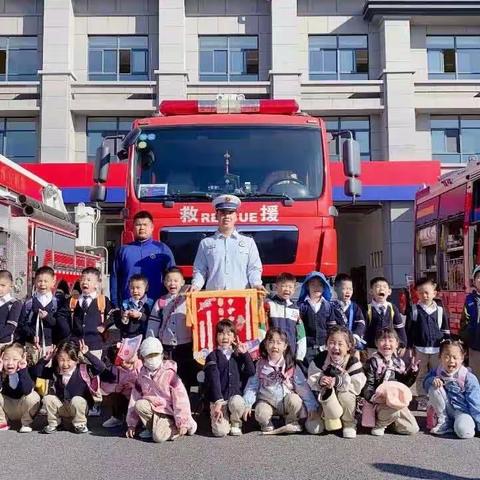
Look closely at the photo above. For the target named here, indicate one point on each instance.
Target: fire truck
(447, 234)
(36, 230)
(266, 152)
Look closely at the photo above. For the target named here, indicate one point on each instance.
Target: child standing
(168, 322)
(117, 383)
(18, 399)
(353, 315)
(427, 325)
(10, 309)
(338, 371)
(159, 398)
(42, 314)
(471, 323)
(454, 393)
(384, 366)
(71, 386)
(227, 370)
(282, 313)
(135, 310)
(279, 387)
(383, 314)
(92, 312)
(317, 313)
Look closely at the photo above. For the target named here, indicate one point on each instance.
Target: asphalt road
(108, 455)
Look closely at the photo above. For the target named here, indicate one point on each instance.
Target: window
(343, 57)
(18, 139)
(455, 139)
(100, 127)
(118, 58)
(18, 59)
(360, 128)
(453, 57)
(224, 59)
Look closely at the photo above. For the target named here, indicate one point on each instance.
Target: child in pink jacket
(159, 398)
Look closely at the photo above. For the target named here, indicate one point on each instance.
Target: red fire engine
(36, 230)
(447, 234)
(264, 151)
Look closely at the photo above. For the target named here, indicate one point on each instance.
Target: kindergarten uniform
(427, 327)
(131, 327)
(226, 373)
(10, 310)
(349, 382)
(18, 399)
(354, 320)
(457, 403)
(383, 315)
(285, 315)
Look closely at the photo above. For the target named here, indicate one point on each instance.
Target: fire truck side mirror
(102, 163)
(353, 187)
(98, 193)
(351, 158)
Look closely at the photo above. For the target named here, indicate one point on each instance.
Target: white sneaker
(441, 429)
(145, 434)
(267, 428)
(25, 429)
(112, 422)
(349, 432)
(235, 431)
(294, 427)
(378, 431)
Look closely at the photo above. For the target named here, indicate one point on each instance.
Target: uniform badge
(152, 256)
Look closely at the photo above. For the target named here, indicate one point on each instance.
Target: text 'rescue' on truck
(264, 151)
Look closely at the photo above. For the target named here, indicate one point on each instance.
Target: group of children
(324, 364)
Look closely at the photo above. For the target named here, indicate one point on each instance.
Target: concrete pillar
(399, 89)
(56, 126)
(285, 73)
(398, 237)
(171, 74)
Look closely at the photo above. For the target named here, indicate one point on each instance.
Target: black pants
(118, 404)
(183, 356)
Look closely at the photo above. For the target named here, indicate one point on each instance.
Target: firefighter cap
(226, 202)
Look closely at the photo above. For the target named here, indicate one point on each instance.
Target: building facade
(403, 76)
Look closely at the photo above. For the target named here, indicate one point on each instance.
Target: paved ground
(108, 455)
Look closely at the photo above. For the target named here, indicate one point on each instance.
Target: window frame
(456, 75)
(32, 76)
(117, 131)
(4, 130)
(229, 75)
(118, 49)
(338, 139)
(339, 75)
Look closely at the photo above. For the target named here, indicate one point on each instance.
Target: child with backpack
(73, 384)
(136, 309)
(44, 316)
(18, 399)
(352, 313)
(159, 398)
(227, 370)
(92, 313)
(427, 326)
(383, 314)
(387, 388)
(337, 375)
(10, 309)
(317, 313)
(454, 393)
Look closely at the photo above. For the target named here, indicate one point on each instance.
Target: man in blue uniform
(227, 260)
(144, 256)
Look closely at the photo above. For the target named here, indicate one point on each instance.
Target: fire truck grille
(277, 244)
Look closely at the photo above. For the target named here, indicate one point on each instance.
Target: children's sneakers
(4, 427)
(378, 431)
(349, 432)
(112, 422)
(145, 434)
(49, 429)
(267, 428)
(235, 431)
(25, 429)
(81, 429)
(441, 429)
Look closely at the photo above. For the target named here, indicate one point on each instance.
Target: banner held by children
(206, 308)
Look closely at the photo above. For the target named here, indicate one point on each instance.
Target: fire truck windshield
(201, 161)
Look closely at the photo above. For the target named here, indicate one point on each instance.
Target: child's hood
(327, 291)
